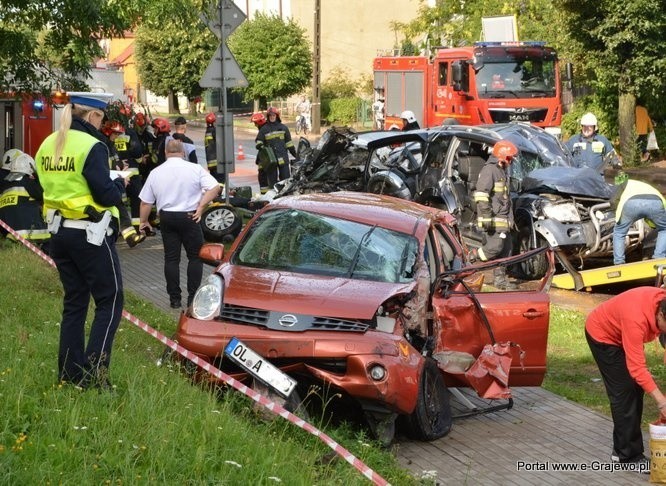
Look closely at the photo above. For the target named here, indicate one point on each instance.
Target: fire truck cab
(490, 82)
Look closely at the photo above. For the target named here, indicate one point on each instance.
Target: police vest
(65, 188)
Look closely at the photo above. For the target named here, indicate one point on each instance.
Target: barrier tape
(216, 372)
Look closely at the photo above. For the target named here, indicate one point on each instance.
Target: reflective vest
(65, 188)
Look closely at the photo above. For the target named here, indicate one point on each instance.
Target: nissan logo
(288, 320)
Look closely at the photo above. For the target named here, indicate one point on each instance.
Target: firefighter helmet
(161, 125)
(273, 111)
(408, 115)
(259, 119)
(210, 118)
(8, 157)
(588, 120)
(505, 151)
(23, 164)
(111, 127)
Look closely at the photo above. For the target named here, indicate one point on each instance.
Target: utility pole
(316, 71)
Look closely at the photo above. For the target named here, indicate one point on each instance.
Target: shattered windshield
(303, 242)
(517, 78)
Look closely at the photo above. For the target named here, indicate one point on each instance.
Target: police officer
(591, 149)
(635, 200)
(21, 202)
(80, 200)
(276, 135)
(493, 209)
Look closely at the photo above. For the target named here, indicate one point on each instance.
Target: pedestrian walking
(80, 205)
(181, 191)
(643, 128)
(591, 149)
(635, 200)
(493, 209)
(378, 112)
(616, 332)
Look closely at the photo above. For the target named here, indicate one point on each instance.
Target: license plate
(259, 367)
(519, 117)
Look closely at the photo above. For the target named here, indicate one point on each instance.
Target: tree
(49, 44)
(623, 45)
(173, 48)
(274, 56)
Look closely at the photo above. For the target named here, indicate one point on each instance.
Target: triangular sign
(212, 76)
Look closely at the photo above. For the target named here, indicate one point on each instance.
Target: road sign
(212, 76)
(232, 15)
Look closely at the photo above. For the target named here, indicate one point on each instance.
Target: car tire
(431, 419)
(219, 221)
(537, 266)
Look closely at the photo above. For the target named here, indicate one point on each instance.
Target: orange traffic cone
(240, 155)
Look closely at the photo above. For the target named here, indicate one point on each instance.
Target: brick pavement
(541, 427)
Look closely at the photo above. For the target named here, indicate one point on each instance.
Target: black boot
(501, 281)
(132, 237)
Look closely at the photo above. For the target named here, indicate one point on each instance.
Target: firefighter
(130, 151)
(21, 202)
(276, 135)
(591, 149)
(162, 130)
(210, 142)
(147, 136)
(7, 159)
(493, 209)
(409, 121)
(111, 131)
(266, 161)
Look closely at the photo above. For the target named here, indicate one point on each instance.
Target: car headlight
(564, 212)
(208, 299)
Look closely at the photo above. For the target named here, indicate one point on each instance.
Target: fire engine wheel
(431, 419)
(220, 221)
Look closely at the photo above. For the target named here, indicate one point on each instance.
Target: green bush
(342, 111)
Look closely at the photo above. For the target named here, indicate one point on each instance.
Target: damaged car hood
(568, 180)
(307, 294)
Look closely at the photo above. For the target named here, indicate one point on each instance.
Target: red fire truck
(489, 82)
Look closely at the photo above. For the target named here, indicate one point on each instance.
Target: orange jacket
(629, 320)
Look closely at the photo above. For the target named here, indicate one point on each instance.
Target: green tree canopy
(274, 56)
(49, 44)
(173, 47)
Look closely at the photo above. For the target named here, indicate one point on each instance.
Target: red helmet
(505, 151)
(140, 119)
(112, 127)
(273, 111)
(126, 110)
(161, 125)
(259, 119)
(210, 118)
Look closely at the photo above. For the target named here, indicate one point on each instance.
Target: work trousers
(625, 396)
(179, 229)
(635, 208)
(87, 270)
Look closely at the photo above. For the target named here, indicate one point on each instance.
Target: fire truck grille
(536, 115)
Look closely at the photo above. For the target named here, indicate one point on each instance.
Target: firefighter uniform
(78, 188)
(210, 145)
(593, 152)
(21, 207)
(276, 135)
(493, 209)
(130, 150)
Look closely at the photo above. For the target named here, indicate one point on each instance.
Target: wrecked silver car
(555, 203)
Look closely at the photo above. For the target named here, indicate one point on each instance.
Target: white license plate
(259, 367)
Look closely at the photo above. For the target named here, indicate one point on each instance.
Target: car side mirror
(212, 253)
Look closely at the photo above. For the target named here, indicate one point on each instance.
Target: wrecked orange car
(372, 298)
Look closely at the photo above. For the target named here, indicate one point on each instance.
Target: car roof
(370, 140)
(373, 209)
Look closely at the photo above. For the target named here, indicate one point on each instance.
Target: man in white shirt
(303, 108)
(181, 191)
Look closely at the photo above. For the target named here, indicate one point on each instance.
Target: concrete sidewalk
(542, 431)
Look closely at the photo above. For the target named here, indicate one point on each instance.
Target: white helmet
(408, 115)
(588, 120)
(21, 166)
(8, 157)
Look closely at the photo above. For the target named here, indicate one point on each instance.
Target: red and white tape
(216, 372)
